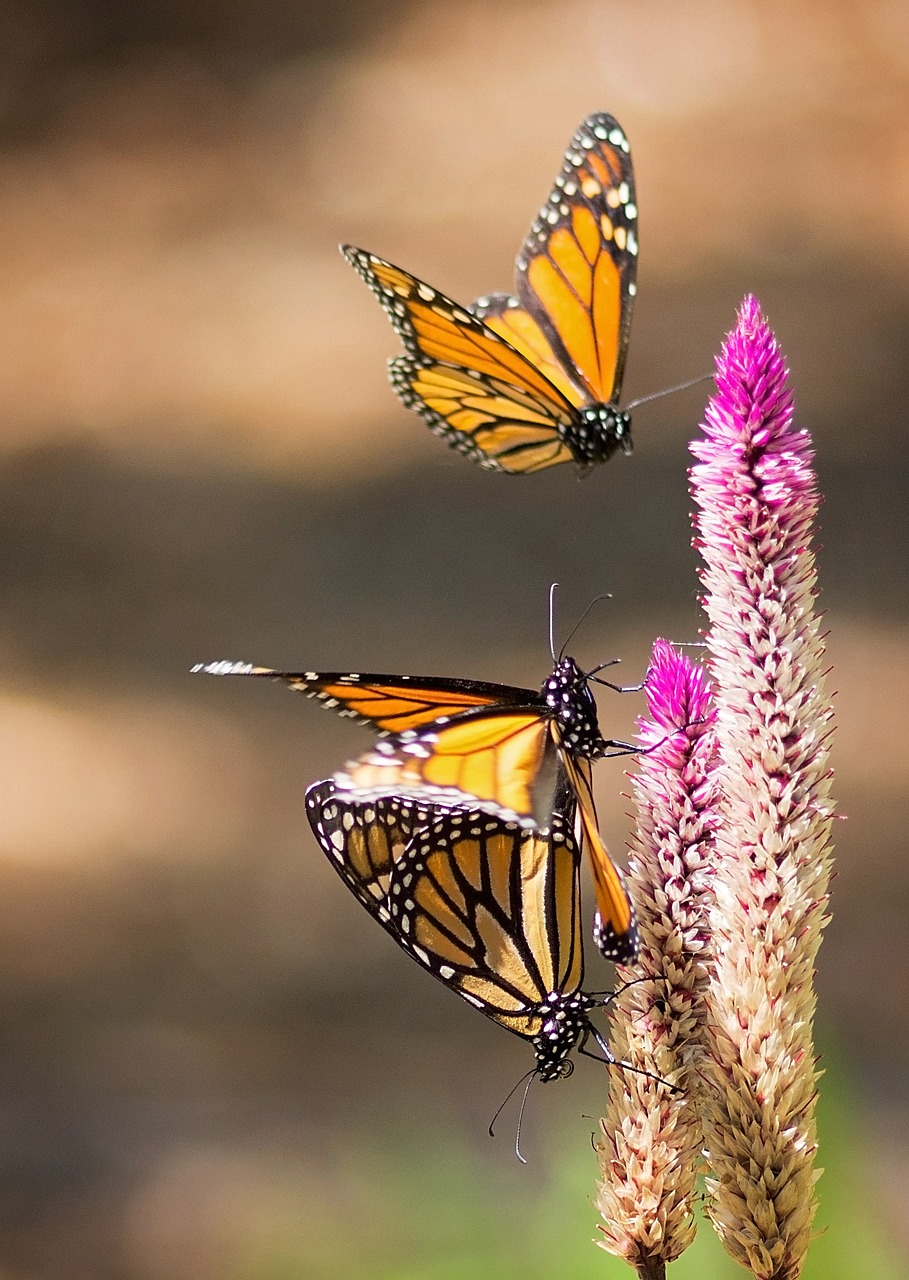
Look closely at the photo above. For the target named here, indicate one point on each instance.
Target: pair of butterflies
(525, 382)
(461, 832)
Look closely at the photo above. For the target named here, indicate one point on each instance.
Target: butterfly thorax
(564, 1023)
(572, 705)
(596, 432)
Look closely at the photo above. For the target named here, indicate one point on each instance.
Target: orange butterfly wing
(502, 758)
(363, 842)
(435, 328)
(469, 383)
(493, 911)
(615, 929)
(490, 422)
(391, 704)
(505, 316)
(576, 270)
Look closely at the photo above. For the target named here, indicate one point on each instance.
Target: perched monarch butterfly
(526, 382)
(490, 909)
(497, 747)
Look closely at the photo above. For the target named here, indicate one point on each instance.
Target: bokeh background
(213, 1064)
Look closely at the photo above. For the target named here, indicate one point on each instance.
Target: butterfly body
(524, 382)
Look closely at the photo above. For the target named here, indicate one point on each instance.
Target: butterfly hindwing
(502, 757)
(501, 427)
(576, 270)
(493, 912)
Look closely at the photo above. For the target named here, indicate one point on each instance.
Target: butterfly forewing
(390, 704)
(435, 328)
(576, 270)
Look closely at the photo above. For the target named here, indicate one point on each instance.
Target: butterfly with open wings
(520, 383)
(498, 747)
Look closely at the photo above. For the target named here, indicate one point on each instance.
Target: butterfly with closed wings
(490, 909)
(520, 383)
(504, 749)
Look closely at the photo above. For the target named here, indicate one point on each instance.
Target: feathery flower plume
(650, 1141)
(756, 495)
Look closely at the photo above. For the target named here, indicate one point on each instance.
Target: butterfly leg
(612, 1061)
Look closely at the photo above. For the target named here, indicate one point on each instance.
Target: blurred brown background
(206, 1043)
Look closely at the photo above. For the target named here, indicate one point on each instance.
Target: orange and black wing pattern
(471, 743)
(469, 384)
(364, 841)
(489, 909)
(389, 704)
(493, 912)
(576, 270)
(615, 928)
(500, 757)
(523, 383)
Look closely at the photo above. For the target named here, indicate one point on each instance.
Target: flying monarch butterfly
(526, 382)
(490, 909)
(501, 748)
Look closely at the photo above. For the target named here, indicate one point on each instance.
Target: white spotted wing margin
(364, 840)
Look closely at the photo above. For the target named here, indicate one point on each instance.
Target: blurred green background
(214, 1065)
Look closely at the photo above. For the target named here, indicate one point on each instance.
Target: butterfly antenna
(517, 1135)
(607, 595)
(668, 391)
(553, 587)
(528, 1076)
(609, 996)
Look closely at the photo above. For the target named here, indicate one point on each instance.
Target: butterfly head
(572, 705)
(564, 1023)
(597, 432)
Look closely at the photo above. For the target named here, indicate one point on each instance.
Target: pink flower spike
(757, 498)
(651, 1138)
(678, 698)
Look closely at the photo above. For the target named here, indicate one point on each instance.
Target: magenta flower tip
(678, 691)
(750, 452)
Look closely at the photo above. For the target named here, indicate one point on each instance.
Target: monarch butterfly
(526, 382)
(493, 746)
(490, 909)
